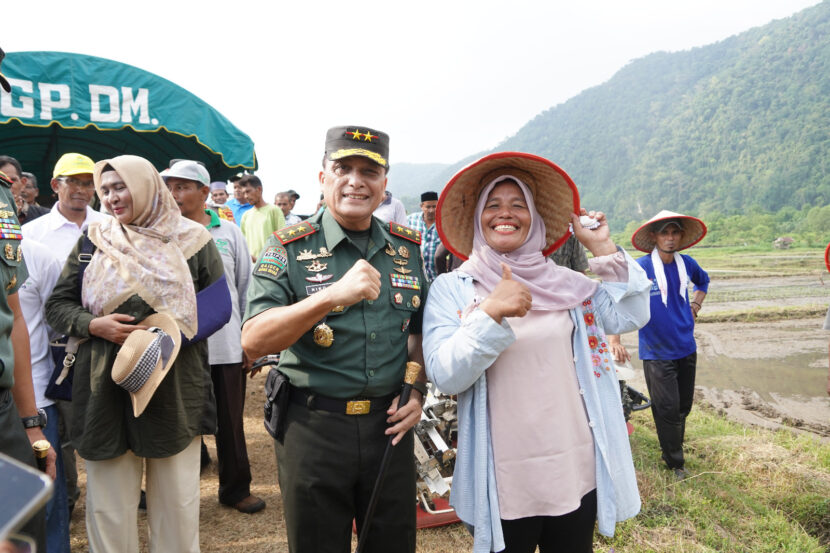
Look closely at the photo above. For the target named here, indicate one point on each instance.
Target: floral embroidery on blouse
(596, 341)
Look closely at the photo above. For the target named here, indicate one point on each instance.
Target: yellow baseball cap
(73, 164)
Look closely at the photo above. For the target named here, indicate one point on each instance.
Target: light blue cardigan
(458, 354)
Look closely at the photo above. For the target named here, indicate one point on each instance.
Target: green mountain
(738, 125)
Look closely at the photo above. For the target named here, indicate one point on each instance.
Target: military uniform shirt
(368, 355)
(13, 274)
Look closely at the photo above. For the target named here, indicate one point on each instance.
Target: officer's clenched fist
(361, 282)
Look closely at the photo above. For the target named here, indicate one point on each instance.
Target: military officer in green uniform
(21, 422)
(341, 295)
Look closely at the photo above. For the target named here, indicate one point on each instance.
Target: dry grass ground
(752, 490)
(224, 529)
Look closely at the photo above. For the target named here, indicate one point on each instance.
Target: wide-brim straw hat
(693, 230)
(145, 359)
(554, 194)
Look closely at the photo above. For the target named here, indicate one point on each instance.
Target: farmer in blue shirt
(667, 342)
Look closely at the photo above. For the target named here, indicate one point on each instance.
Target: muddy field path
(762, 353)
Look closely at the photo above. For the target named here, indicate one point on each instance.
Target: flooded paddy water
(772, 373)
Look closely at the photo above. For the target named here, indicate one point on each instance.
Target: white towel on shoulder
(660, 274)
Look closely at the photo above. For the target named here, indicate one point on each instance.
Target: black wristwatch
(421, 387)
(37, 420)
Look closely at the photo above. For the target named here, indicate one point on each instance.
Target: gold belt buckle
(358, 407)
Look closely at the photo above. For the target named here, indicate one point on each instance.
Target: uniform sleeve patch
(272, 262)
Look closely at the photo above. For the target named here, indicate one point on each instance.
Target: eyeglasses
(78, 183)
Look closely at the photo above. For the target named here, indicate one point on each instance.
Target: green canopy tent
(62, 102)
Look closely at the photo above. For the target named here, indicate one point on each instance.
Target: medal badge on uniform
(9, 251)
(19, 254)
(416, 301)
(318, 278)
(401, 263)
(316, 266)
(403, 281)
(323, 335)
(306, 255)
(12, 282)
(390, 251)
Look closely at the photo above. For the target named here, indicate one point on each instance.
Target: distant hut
(783, 242)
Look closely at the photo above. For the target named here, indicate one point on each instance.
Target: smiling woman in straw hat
(141, 397)
(542, 447)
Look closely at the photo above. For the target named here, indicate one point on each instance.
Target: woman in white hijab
(147, 260)
(543, 450)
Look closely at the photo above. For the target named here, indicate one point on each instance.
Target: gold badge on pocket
(323, 335)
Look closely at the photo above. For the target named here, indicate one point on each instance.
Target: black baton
(413, 369)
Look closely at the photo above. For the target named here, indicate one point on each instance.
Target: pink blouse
(542, 445)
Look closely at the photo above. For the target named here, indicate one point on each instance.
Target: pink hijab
(553, 287)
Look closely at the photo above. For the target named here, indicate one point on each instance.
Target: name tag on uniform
(314, 288)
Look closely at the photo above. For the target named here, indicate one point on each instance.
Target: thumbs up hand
(508, 299)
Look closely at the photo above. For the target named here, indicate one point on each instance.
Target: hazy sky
(444, 78)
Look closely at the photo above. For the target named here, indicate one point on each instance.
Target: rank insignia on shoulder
(294, 232)
(5, 180)
(405, 232)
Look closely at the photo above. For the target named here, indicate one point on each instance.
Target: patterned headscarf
(148, 256)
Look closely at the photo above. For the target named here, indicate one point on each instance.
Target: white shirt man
(61, 228)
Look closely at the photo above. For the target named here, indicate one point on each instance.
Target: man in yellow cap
(70, 216)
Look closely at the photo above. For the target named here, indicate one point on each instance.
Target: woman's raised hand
(508, 299)
(598, 240)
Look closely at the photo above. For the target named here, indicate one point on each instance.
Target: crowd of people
(145, 316)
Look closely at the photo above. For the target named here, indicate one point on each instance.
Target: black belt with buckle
(362, 406)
